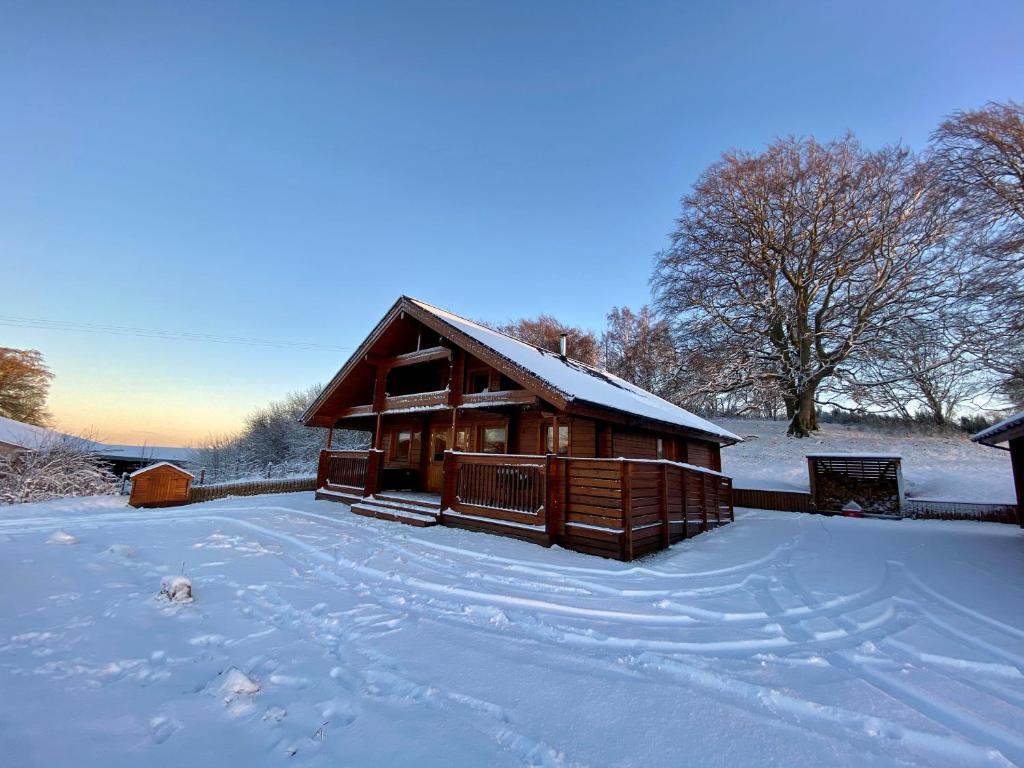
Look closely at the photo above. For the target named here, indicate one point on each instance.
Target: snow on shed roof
(161, 464)
(853, 455)
(993, 435)
(577, 380)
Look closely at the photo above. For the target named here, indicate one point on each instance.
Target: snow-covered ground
(316, 637)
(934, 467)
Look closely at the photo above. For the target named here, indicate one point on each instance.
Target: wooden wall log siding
(582, 438)
(634, 445)
(160, 485)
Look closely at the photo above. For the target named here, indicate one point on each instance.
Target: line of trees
(826, 274)
(272, 443)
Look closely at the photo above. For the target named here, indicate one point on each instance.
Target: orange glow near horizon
(164, 418)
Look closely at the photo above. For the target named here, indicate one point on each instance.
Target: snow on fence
(251, 488)
(932, 509)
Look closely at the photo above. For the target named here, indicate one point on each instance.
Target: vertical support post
(626, 475)
(811, 467)
(321, 469)
(455, 384)
(330, 437)
(450, 470)
(554, 510)
(1017, 465)
(666, 533)
(379, 397)
(703, 501)
(374, 465)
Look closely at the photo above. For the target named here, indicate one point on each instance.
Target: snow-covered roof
(145, 452)
(577, 381)
(853, 455)
(31, 437)
(161, 464)
(995, 434)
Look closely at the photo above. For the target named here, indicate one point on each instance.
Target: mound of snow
(61, 537)
(238, 685)
(177, 589)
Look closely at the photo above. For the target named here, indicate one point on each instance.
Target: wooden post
(379, 397)
(330, 437)
(1017, 465)
(450, 471)
(321, 469)
(626, 475)
(666, 533)
(455, 384)
(554, 511)
(374, 465)
(703, 501)
(810, 479)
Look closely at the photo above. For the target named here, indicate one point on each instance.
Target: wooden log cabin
(472, 428)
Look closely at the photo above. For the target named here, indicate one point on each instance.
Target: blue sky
(286, 170)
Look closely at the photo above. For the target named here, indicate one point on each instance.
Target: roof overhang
(999, 435)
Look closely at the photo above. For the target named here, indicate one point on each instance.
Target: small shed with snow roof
(160, 485)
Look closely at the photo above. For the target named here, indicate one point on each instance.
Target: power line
(16, 321)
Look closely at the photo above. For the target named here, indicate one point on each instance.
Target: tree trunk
(804, 417)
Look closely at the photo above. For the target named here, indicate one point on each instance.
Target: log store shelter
(472, 428)
(1008, 435)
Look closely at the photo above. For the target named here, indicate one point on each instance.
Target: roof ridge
(543, 350)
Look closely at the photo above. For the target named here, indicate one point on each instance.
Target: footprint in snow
(161, 728)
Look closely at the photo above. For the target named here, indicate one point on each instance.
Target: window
(478, 381)
(492, 439)
(563, 439)
(462, 439)
(661, 448)
(400, 445)
(440, 445)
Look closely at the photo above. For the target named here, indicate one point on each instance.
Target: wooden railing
(499, 486)
(350, 470)
(621, 508)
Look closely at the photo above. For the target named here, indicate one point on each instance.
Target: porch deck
(617, 508)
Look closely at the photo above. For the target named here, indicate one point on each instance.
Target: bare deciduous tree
(927, 370)
(24, 385)
(979, 157)
(638, 347)
(796, 259)
(544, 330)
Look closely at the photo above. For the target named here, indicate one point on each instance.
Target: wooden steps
(421, 514)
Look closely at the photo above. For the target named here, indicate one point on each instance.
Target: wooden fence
(620, 508)
(929, 509)
(251, 488)
(783, 501)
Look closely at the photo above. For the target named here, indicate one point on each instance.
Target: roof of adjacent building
(571, 380)
(29, 437)
(32, 438)
(1001, 432)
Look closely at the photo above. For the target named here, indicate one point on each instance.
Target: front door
(435, 465)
